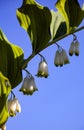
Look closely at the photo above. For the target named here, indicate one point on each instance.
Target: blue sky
(59, 103)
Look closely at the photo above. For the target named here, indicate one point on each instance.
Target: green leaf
(71, 12)
(58, 25)
(35, 19)
(11, 57)
(83, 10)
(5, 88)
(83, 7)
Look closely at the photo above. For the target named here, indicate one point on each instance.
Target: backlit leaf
(72, 13)
(35, 19)
(5, 88)
(58, 25)
(83, 7)
(11, 57)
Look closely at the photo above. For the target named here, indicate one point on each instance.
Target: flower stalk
(25, 62)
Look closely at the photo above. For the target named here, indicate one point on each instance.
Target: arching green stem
(49, 44)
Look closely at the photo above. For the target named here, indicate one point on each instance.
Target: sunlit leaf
(83, 7)
(35, 19)
(58, 25)
(5, 88)
(83, 10)
(11, 57)
(71, 11)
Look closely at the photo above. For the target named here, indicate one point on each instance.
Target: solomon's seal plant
(44, 27)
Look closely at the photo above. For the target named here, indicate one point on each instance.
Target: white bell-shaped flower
(65, 57)
(24, 85)
(42, 69)
(77, 48)
(28, 86)
(57, 58)
(72, 49)
(13, 106)
(3, 127)
(61, 58)
(18, 106)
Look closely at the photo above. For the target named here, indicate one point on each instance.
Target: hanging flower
(42, 69)
(28, 86)
(13, 106)
(74, 47)
(18, 107)
(61, 57)
(65, 57)
(3, 127)
(57, 58)
(77, 48)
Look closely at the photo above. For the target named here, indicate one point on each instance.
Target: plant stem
(63, 36)
(13, 94)
(57, 44)
(49, 44)
(25, 62)
(42, 57)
